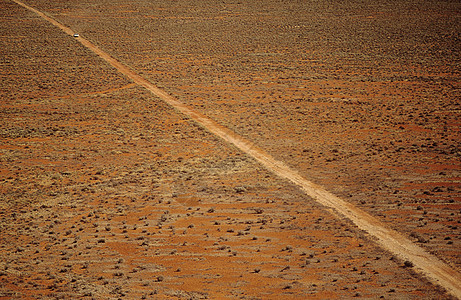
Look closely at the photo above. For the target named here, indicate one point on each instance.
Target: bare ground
(107, 192)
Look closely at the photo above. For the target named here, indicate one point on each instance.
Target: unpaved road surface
(389, 239)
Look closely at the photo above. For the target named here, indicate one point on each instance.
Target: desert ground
(108, 192)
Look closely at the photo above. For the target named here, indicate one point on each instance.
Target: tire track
(433, 268)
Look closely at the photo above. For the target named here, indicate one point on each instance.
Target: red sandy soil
(106, 192)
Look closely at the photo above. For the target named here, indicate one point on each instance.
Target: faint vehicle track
(429, 265)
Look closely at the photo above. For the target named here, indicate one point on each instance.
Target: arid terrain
(108, 192)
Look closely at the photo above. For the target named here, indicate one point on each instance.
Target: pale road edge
(429, 265)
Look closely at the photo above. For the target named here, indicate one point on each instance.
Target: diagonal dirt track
(391, 240)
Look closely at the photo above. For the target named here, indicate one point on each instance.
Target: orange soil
(107, 192)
